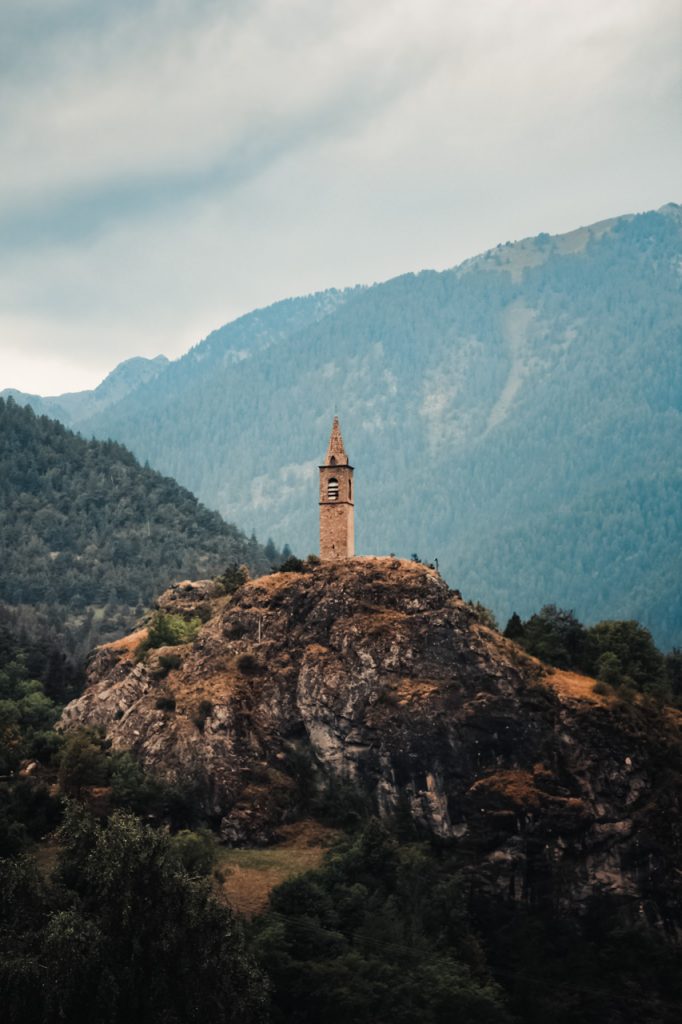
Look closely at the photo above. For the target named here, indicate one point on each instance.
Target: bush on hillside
(292, 564)
(234, 577)
(169, 630)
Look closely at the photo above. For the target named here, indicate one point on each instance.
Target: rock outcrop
(373, 672)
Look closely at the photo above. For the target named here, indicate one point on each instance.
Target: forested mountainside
(227, 345)
(87, 535)
(75, 406)
(518, 417)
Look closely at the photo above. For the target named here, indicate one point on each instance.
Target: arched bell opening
(332, 489)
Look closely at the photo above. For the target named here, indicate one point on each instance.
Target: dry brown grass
(127, 644)
(381, 620)
(265, 586)
(190, 689)
(527, 791)
(250, 875)
(406, 690)
(516, 786)
(388, 565)
(571, 684)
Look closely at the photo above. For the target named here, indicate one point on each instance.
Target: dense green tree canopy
(125, 936)
(91, 537)
(622, 654)
(379, 936)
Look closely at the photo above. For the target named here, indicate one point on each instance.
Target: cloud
(171, 163)
(152, 110)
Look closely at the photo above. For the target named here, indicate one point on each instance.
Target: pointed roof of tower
(336, 451)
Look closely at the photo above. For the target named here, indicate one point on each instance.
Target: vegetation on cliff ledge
(621, 655)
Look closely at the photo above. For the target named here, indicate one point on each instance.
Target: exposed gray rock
(374, 672)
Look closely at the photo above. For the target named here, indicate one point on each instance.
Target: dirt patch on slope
(250, 875)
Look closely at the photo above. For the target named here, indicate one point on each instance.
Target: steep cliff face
(374, 672)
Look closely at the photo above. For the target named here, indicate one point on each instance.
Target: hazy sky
(166, 165)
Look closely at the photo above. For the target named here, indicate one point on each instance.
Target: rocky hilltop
(374, 672)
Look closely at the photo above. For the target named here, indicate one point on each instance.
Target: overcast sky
(166, 165)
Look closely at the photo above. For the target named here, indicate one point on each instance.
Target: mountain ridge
(535, 383)
(335, 295)
(74, 406)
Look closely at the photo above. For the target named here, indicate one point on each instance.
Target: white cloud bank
(170, 164)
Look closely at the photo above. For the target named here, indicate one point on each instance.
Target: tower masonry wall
(337, 531)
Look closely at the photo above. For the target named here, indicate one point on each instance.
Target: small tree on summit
(556, 636)
(514, 629)
(234, 577)
(633, 647)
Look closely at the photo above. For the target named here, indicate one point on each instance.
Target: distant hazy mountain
(518, 417)
(87, 535)
(75, 406)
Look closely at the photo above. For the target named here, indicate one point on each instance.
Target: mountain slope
(518, 417)
(89, 536)
(75, 406)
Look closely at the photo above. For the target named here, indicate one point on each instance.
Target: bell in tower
(337, 527)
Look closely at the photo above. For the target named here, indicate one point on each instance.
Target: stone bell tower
(337, 527)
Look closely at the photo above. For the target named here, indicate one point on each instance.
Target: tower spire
(336, 453)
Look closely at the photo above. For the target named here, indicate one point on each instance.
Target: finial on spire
(336, 453)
